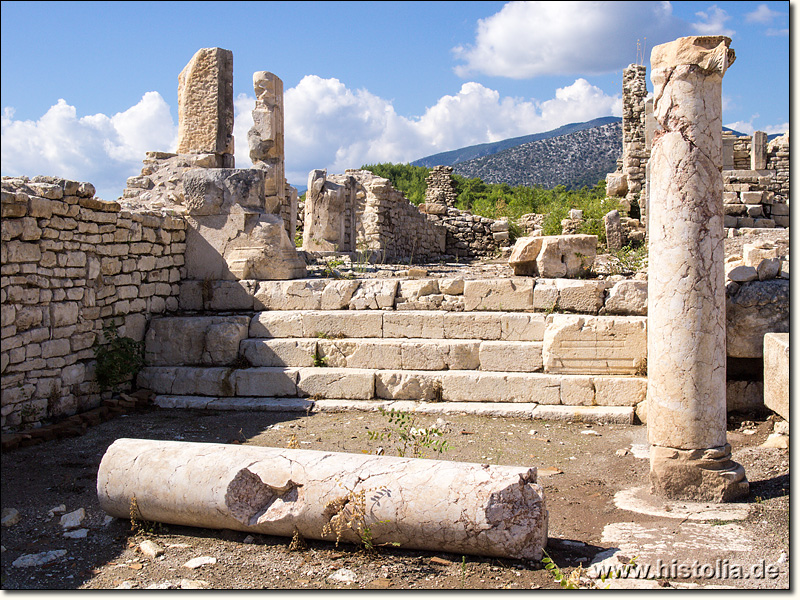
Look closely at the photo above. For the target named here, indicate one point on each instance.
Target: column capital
(711, 53)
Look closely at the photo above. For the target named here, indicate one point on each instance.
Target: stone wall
(634, 148)
(71, 265)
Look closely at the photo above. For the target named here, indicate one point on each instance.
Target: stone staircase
(498, 362)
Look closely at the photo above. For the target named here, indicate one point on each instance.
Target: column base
(704, 475)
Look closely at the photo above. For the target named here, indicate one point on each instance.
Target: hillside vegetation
(497, 200)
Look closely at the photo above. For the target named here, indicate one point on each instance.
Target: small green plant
(463, 571)
(407, 437)
(629, 260)
(320, 361)
(332, 268)
(141, 526)
(118, 359)
(349, 512)
(568, 583)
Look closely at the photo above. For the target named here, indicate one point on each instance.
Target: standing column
(689, 456)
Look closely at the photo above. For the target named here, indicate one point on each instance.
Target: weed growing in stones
(118, 359)
(407, 437)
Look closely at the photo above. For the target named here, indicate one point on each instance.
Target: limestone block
(338, 293)
(422, 504)
(744, 396)
(506, 356)
(280, 352)
(579, 296)
(451, 287)
(545, 295)
(622, 415)
(324, 219)
(769, 268)
(477, 386)
(439, 355)
(417, 288)
(616, 185)
(208, 381)
(349, 384)
(757, 308)
(776, 373)
(619, 391)
(277, 324)
(577, 345)
(524, 254)
(222, 191)
(613, 226)
(741, 273)
(408, 385)
(177, 341)
(374, 294)
(627, 297)
(566, 255)
(475, 325)
(361, 353)
(577, 391)
(304, 294)
(205, 103)
(523, 327)
(349, 324)
(498, 294)
(240, 246)
(265, 382)
(414, 324)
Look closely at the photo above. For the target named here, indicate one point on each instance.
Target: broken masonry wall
(73, 264)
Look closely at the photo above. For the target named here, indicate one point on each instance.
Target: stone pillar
(265, 138)
(758, 151)
(689, 457)
(634, 147)
(435, 505)
(205, 105)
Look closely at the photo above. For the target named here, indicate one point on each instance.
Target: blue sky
(88, 87)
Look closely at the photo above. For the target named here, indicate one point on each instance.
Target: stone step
(374, 384)
(521, 410)
(513, 294)
(395, 353)
(421, 340)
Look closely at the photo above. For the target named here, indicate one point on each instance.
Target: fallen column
(372, 500)
(686, 416)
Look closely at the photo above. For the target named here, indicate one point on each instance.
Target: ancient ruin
(689, 456)
(472, 509)
(377, 311)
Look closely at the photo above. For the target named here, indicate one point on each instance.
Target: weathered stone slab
(525, 357)
(522, 327)
(361, 353)
(622, 415)
(619, 391)
(498, 294)
(374, 294)
(414, 324)
(414, 503)
(221, 191)
(303, 294)
(776, 373)
(265, 381)
(627, 298)
(175, 341)
(277, 324)
(439, 355)
(350, 384)
(350, 324)
(408, 385)
(475, 325)
(280, 352)
(205, 103)
(757, 308)
(468, 386)
(566, 256)
(575, 344)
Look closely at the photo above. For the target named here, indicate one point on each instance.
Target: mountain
(471, 152)
(579, 158)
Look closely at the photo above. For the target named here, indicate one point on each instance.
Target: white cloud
(748, 128)
(777, 32)
(96, 148)
(330, 126)
(762, 14)
(327, 125)
(529, 39)
(713, 22)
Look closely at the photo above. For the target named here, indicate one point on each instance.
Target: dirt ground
(581, 469)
